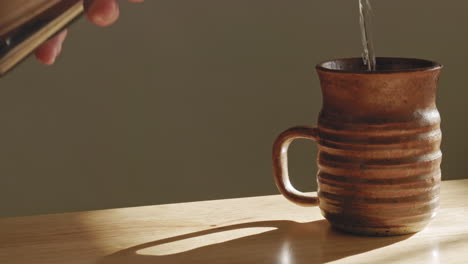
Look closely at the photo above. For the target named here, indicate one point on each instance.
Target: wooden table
(247, 230)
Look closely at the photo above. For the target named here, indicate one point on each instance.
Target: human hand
(101, 12)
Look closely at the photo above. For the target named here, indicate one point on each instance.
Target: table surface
(265, 229)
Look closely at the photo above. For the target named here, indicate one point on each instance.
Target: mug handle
(280, 164)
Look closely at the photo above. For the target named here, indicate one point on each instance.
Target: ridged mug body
(379, 151)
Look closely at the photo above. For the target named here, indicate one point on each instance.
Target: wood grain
(266, 229)
(16, 12)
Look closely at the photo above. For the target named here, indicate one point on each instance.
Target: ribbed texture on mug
(380, 176)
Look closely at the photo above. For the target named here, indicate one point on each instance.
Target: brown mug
(378, 138)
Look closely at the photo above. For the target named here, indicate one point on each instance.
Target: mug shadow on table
(288, 242)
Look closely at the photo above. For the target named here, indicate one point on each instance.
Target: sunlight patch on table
(201, 241)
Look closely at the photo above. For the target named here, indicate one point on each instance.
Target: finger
(48, 51)
(102, 12)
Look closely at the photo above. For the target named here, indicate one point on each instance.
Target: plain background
(181, 100)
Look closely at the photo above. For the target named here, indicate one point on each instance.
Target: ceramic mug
(378, 137)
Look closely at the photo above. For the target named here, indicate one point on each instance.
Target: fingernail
(51, 61)
(103, 14)
(103, 20)
(55, 55)
(99, 19)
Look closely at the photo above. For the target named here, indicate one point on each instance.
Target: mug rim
(413, 65)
